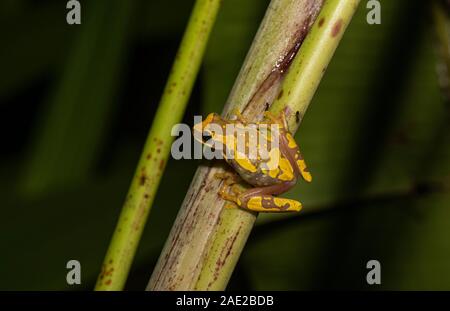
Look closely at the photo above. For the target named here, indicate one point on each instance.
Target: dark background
(76, 103)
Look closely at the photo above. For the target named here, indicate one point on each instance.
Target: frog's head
(210, 130)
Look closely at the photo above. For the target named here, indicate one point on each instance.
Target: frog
(267, 181)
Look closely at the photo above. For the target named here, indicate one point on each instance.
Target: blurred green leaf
(77, 222)
(35, 43)
(291, 256)
(72, 126)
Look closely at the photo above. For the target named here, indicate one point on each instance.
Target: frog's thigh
(261, 199)
(290, 150)
(268, 203)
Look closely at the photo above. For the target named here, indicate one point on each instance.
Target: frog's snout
(202, 131)
(203, 126)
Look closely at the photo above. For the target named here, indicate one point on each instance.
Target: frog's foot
(239, 116)
(224, 194)
(228, 178)
(229, 205)
(273, 119)
(229, 184)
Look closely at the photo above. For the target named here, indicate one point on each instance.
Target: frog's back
(255, 172)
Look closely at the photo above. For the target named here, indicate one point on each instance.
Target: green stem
(154, 156)
(311, 62)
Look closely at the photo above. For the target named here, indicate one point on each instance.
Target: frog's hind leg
(280, 120)
(290, 150)
(304, 172)
(271, 204)
(262, 199)
(258, 199)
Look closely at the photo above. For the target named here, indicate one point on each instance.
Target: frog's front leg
(239, 117)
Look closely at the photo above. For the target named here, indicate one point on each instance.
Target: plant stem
(313, 58)
(154, 156)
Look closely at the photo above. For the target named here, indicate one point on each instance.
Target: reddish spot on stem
(142, 179)
(337, 28)
(322, 20)
(280, 94)
(161, 165)
(297, 116)
(224, 254)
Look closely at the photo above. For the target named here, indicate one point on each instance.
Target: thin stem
(154, 156)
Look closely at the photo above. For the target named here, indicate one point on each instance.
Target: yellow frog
(272, 175)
